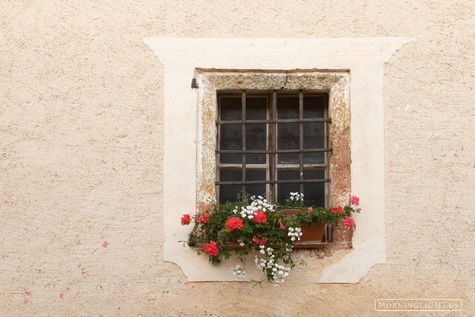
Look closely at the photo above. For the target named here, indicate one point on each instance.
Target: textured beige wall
(80, 156)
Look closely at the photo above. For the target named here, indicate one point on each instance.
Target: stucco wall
(81, 113)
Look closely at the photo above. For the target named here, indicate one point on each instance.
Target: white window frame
(364, 58)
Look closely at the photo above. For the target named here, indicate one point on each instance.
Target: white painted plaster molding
(363, 57)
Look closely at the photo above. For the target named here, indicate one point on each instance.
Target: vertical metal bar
(218, 146)
(243, 131)
(301, 139)
(326, 155)
(268, 145)
(274, 146)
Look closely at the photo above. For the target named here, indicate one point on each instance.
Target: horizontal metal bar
(286, 181)
(273, 152)
(220, 122)
(306, 166)
(239, 166)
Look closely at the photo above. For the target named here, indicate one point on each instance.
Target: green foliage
(272, 233)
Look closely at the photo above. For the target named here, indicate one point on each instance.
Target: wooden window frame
(272, 150)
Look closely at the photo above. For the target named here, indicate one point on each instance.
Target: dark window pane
(290, 158)
(313, 106)
(288, 136)
(256, 108)
(256, 159)
(255, 175)
(313, 158)
(284, 191)
(230, 175)
(228, 193)
(256, 189)
(256, 136)
(314, 174)
(287, 107)
(230, 158)
(314, 194)
(231, 137)
(285, 174)
(313, 135)
(231, 108)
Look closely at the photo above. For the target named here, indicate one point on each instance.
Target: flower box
(312, 236)
(271, 231)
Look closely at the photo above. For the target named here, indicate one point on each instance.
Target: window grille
(271, 143)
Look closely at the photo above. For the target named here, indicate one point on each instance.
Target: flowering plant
(262, 227)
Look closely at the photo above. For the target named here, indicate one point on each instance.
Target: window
(272, 143)
(218, 65)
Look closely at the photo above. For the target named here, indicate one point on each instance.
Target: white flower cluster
(259, 203)
(296, 196)
(279, 272)
(238, 272)
(295, 233)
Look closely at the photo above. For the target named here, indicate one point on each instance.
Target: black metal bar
(218, 155)
(301, 140)
(274, 145)
(327, 186)
(220, 122)
(272, 152)
(286, 181)
(243, 131)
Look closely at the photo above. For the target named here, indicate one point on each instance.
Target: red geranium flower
(340, 210)
(259, 217)
(355, 200)
(347, 221)
(281, 225)
(233, 223)
(185, 219)
(203, 218)
(259, 241)
(211, 248)
(333, 210)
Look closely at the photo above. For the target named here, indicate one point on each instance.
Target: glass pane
(230, 158)
(313, 158)
(313, 106)
(231, 137)
(285, 174)
(229, 193)
(256, 159)
(256, 136)
(288, 139)
(255, 175)
(288, 136)
(226, 175)
(256, 108)
(287, 107)
(256, 189)
(284, 191)
(314, 174)
(290, 158)
(231, 108)
(314, 194)
(313, 135)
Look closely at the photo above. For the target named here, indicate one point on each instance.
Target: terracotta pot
(312, 236)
